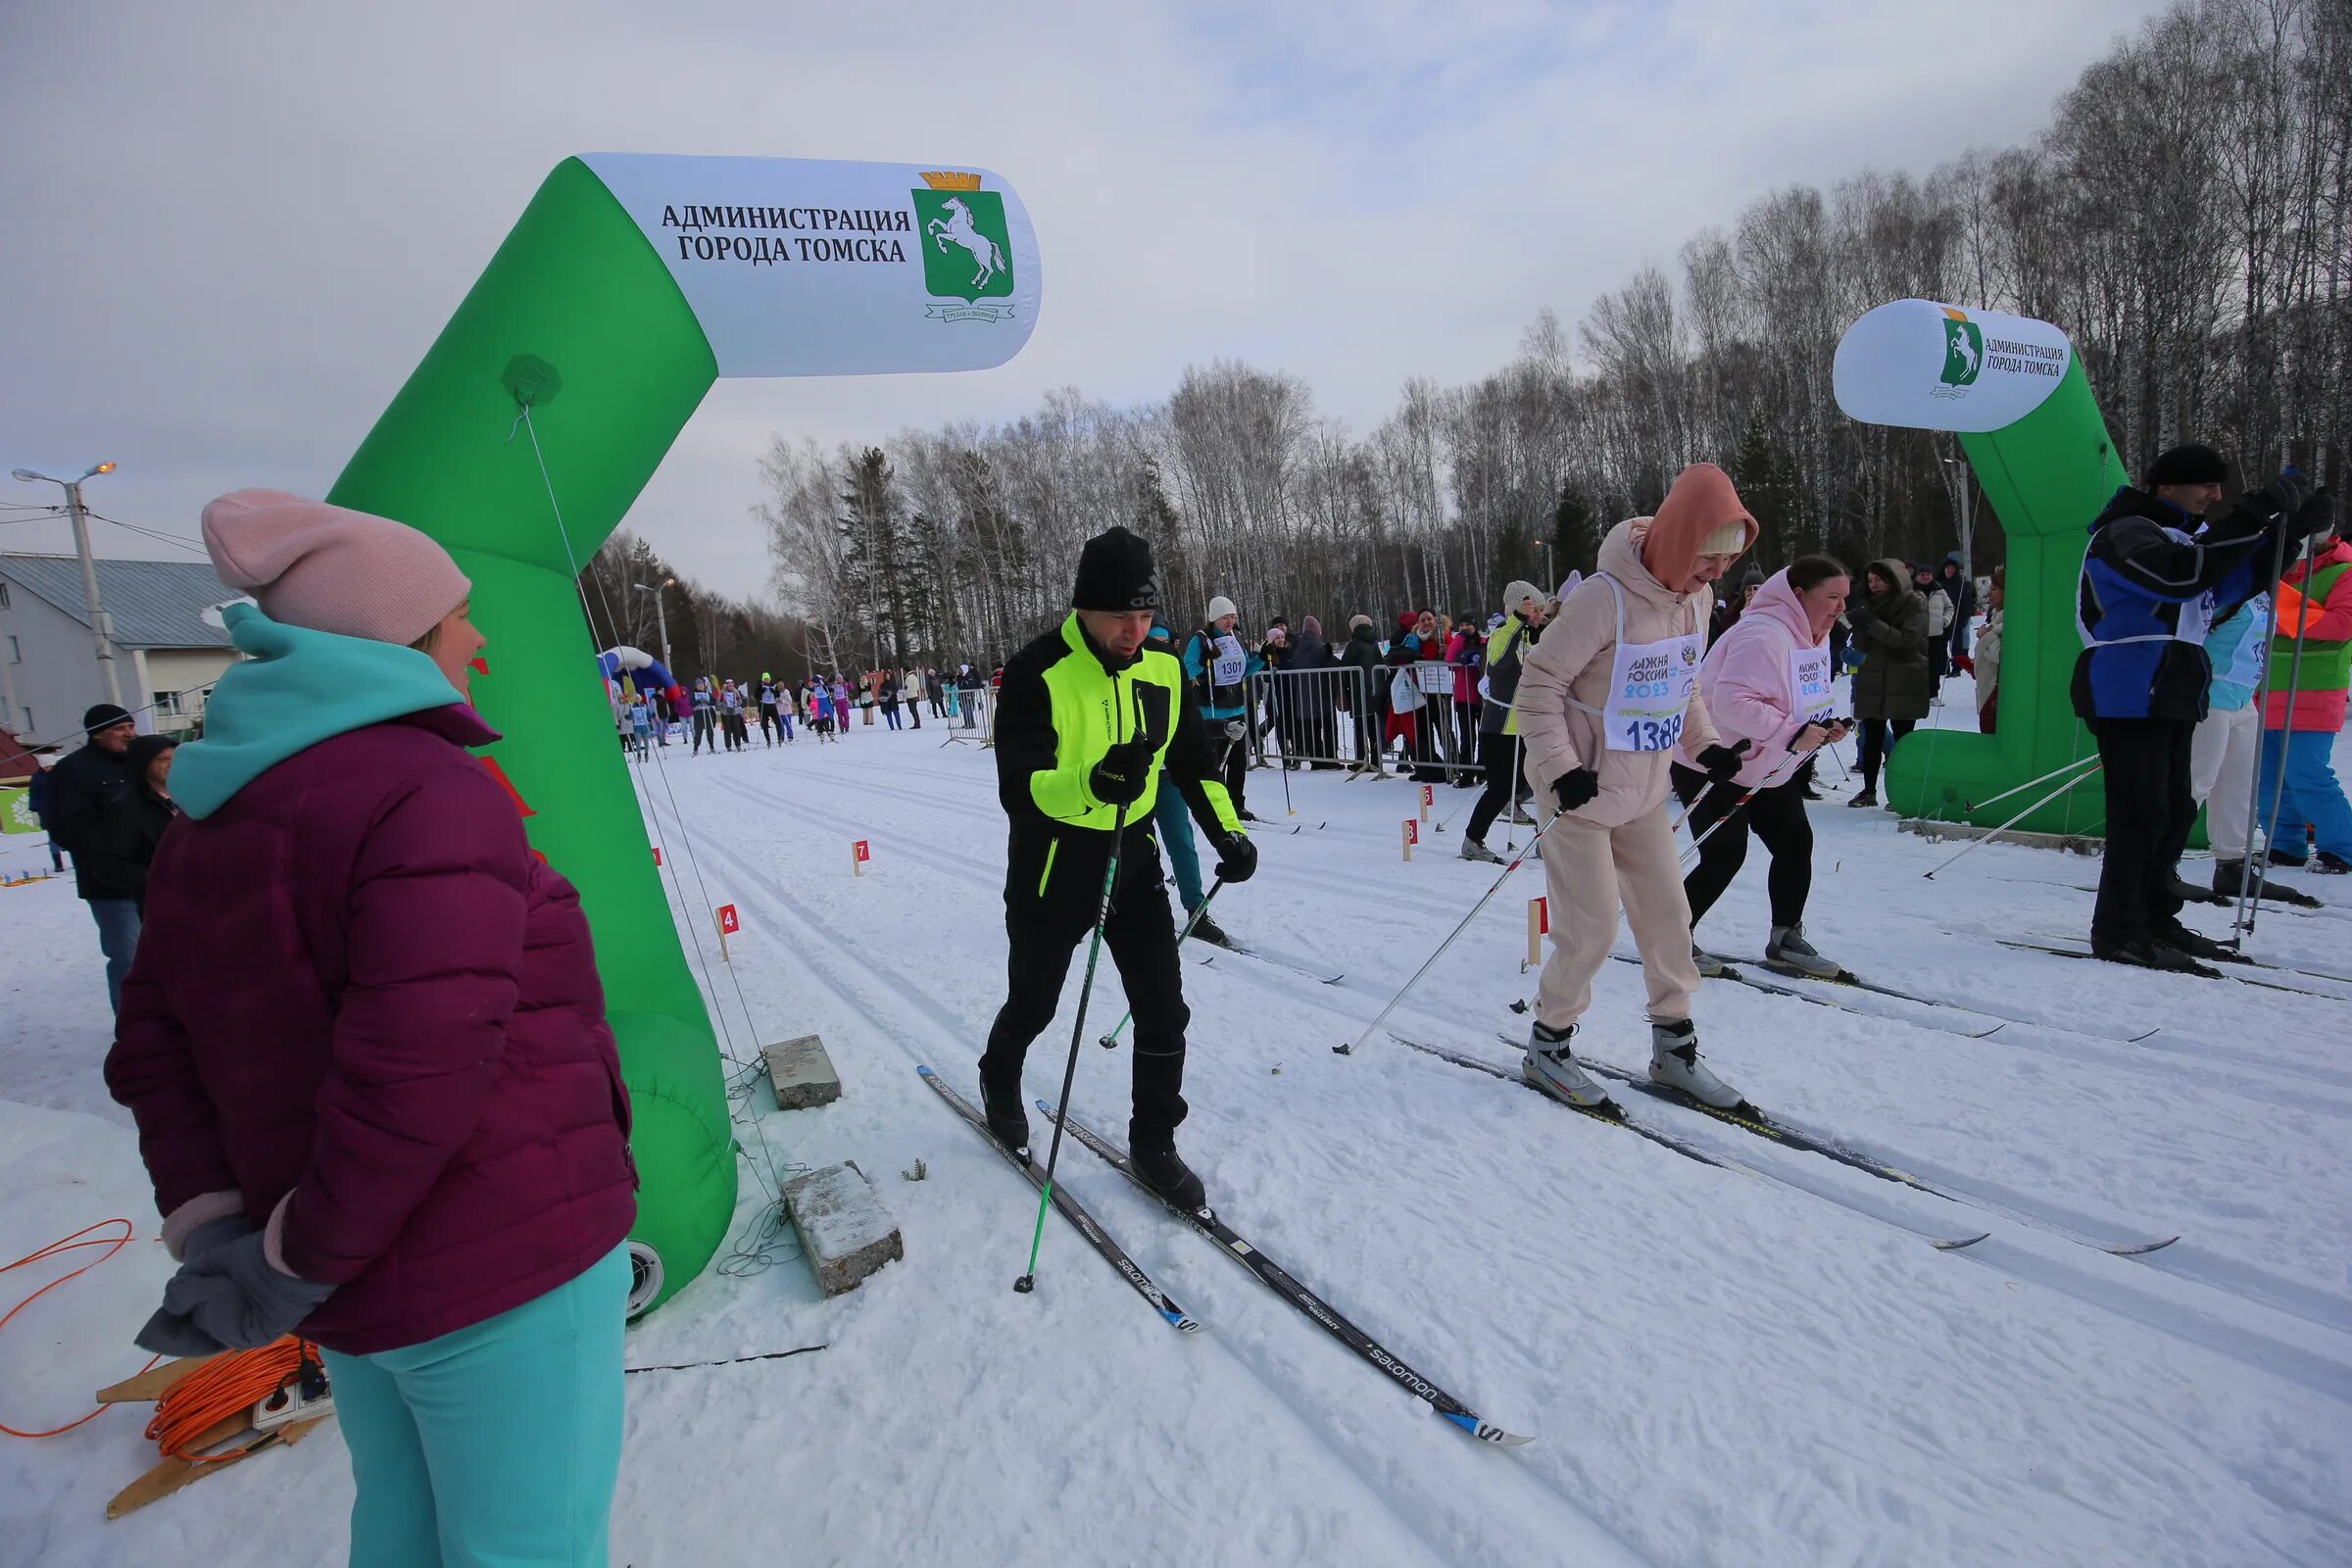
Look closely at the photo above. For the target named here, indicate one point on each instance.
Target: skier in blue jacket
(2151, 586)
(1219, 670)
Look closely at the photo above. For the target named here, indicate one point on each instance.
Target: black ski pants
(2149, 812)
(702, 731)
(1879, 736)
(1236, 766)
(1498, 754)
(1052, 889)
(1778, 816)
(767, 723)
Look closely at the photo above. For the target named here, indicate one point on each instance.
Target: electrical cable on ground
(113, 1244)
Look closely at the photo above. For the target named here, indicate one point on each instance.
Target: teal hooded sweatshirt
(294, 689)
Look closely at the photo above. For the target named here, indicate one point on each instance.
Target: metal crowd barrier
(1335, 717)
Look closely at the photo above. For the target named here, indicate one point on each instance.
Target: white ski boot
(1710, 966)
(1551, 1068)
(1473, 849)
(1674, 1063)
(1789, 949)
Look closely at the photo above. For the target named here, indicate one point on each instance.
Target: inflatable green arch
(2014, 391)
(627, 287)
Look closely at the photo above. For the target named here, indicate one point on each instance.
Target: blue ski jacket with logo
(2152, 585)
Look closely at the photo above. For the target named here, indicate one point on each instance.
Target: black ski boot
(1163, 1170)
(2196, 944)
(2142, 954)
(1007, 1122)
(2189, 892)
(1206, 930)
(2230, 881)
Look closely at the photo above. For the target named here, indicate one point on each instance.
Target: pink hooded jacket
(1749, 687)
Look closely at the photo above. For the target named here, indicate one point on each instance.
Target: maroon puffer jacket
(359, 991)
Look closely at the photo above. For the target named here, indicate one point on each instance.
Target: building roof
(153, 604)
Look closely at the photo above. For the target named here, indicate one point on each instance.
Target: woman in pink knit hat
(367, 1117)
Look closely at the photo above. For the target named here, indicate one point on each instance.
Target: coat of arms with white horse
(967, 247)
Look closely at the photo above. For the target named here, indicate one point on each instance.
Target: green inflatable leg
(577, 315)
(2046, 475)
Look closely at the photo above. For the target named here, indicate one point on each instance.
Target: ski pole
(1070, 1073)
(1771, 780)
(2241, 919)
(1110, 1041)
(2063, 768)
(1511, 804)
(1978, 844)
(1287, 808)
(1705, 790)
(1516, 862)
(2286, 735)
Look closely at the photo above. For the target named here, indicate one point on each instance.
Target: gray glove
(1235, 729)
(230, 1298)
(168, 1333)
(216, 1232)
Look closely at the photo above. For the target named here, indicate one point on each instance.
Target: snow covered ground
(1767, 1364)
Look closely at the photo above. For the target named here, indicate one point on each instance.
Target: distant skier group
(716, 714)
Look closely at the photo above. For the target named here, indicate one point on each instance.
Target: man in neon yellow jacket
(1088, 721)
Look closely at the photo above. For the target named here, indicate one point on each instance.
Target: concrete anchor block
(843, 1229)
(802, 1073)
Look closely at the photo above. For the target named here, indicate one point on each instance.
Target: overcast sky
(233, 230)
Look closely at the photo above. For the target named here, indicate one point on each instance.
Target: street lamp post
(661, 615)
(1968, 515)
(100, 627)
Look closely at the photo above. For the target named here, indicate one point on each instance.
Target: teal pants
(496, 1446)
(1175, 829)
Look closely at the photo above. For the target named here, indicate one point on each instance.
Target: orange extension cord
(218, 1390)
(201, 1401)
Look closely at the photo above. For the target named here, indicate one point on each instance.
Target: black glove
(1237, 858)
(2316, 516)
(1118, 779)
(1576, 787)
(2283, 497)
(1722, 762)
(230, 1298)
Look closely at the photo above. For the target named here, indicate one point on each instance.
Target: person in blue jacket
(1218, 668)
(1172, 824)
(2151, 586)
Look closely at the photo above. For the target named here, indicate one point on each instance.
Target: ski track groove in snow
(953, 1032)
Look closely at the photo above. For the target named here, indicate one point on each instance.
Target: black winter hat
(1115, 572)
(2188, 464)
(104, 716)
